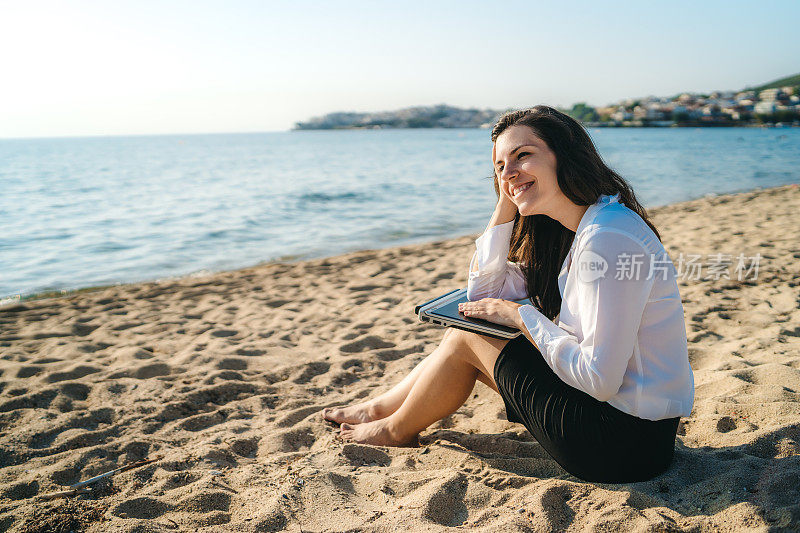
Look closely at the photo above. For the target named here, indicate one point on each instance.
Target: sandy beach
(221, 378)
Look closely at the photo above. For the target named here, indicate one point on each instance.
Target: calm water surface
(90, 211)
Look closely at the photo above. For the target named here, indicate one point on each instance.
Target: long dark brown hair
(539, 242)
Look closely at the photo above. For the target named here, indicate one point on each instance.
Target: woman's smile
(517, 190)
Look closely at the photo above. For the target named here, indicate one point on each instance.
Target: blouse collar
(603, 201)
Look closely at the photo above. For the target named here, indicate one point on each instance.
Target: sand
(223, 378)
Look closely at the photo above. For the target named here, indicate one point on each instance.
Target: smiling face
(526, 169)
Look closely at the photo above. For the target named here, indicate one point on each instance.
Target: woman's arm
(491, 275)
(610, 311)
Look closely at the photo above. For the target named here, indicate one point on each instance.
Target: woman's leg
(442, 385)
(380, 406)
(391, 400)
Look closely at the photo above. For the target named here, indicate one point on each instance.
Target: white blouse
(621, 335)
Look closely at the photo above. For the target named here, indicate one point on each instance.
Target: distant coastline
(773, 104)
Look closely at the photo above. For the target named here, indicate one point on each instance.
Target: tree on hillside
(583, 112)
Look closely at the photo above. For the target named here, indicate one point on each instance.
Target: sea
(92, 211)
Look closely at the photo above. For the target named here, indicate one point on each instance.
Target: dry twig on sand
(129, 466)
(82, 488)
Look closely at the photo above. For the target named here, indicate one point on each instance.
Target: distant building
(649, 112)
(621, 114)
(768, 95)
(724, 95)
(765, 108)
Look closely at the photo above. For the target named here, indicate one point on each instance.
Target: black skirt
(590, 439)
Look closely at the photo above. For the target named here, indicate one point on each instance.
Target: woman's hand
(503, 312)
(506, 208)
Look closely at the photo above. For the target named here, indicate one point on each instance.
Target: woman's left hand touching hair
(503, 312)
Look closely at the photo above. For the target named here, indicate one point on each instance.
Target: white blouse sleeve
(610, 311)
(496, 276)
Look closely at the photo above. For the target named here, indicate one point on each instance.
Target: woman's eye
(523, 154)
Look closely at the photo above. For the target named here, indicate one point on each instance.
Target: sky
(79, 68)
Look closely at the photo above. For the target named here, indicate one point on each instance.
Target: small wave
(762, 174)
(335, 197)
(396, 234)
(112, 246)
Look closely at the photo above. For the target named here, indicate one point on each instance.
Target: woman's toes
(345, 431)
(354, 414)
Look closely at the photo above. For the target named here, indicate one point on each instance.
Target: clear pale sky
(106, 68)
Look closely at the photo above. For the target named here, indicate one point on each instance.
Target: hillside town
(770, 106)
(776, 104)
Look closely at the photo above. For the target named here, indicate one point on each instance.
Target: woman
(603, 387)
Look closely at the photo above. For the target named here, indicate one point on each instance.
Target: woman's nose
(508, 173)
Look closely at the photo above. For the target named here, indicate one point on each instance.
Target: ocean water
(80, 212)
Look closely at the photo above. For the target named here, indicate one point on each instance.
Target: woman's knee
(474, 349)
(457, 336)
(470, 339)
(464, 344)
(456, 342)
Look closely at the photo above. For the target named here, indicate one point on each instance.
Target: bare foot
(354, 414)
(377, 432)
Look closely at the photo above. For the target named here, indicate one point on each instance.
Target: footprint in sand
(143, 507)
(445, 504)
(232, 363)
(28, 371)
(93, 347)
(179, 479)
(394, 354)
(21, 491)
(297, 415)
(311, 370)
(291, 440)
(126, 325)
(24, 400)
(203, 421)
(224, 333)
(726, 424)
(274, 303)
(361, 288)
(370, 342)
(151, 371)
(75, 391)
(250, 352)
(363, 455)
(246, 447)
(207, 501)
(223, 375)
(82, 330)
(74, 373)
